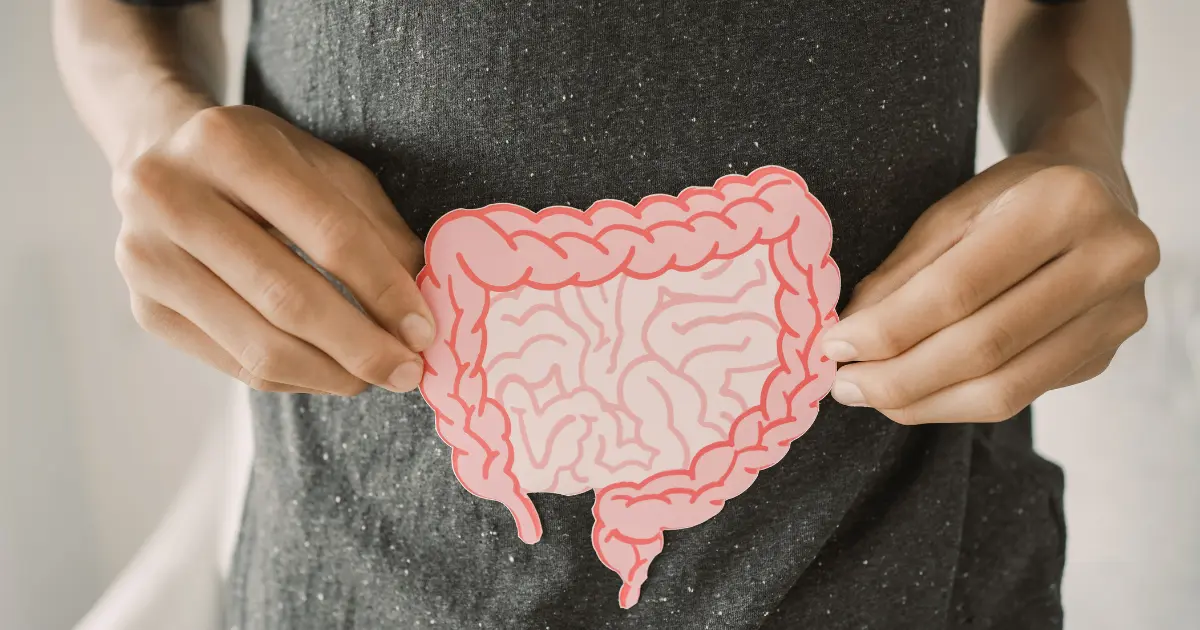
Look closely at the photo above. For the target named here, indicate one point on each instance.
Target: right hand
(200, 251)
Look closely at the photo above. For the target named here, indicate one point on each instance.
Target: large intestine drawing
(659, 354)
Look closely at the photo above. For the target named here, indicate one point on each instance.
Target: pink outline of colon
(473, 254)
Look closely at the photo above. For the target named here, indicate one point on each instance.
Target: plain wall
(99, 422)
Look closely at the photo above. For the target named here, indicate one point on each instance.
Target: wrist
(159, 106)
(1081, 136)
(1084, 137)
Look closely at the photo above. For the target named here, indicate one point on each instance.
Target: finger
(186, 336)
(984, 341)
(361, 187)
(1015, 239)
(288, 293)
(937, 230)
(1004, 392)
(1089, 370)
(328, 227)
(399, 239)
(294, 196)
(169, 276)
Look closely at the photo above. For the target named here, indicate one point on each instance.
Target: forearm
(135, 74)
(1057, 78)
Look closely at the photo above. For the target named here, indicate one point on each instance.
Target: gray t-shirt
(354, 518)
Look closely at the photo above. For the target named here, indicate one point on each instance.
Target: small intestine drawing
(627, 378)
(659, 354)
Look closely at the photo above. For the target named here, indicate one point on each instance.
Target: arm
(1029, 276)
(1057, 78)
(205, 190)
(134, 74)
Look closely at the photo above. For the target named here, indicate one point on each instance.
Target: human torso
(354, 517)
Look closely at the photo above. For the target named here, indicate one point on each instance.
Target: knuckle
(149, 315)
(211, 128)
(149, 178)
(996, 347)
(904, 415)
(254, 382)
(1140, 252)
(389, 291)
(890, 397)
(133, 257)
(261, 384)
(1135, 313)
(337, 236)
(1096, 367)
(886, 392)
(960, 299)
(1003, 399)
(284, 304)
(259, 362)
(889, 341)
(1083, 187)
(372, 366)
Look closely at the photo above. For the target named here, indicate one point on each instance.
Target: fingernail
(417, 331)
(838, 350)
(406, 376)
(848, 393)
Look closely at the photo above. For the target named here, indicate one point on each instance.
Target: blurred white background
(100, 424)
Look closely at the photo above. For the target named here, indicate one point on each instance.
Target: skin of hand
(1024, 280)
(207, 212)
(211, 198)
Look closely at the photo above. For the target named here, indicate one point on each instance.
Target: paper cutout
(660, 355)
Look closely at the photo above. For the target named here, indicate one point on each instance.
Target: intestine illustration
(658, 354)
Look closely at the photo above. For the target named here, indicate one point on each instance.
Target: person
(917, 502)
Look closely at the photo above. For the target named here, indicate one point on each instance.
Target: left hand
(1024, 280)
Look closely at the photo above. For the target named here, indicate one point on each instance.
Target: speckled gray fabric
(354, 518)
